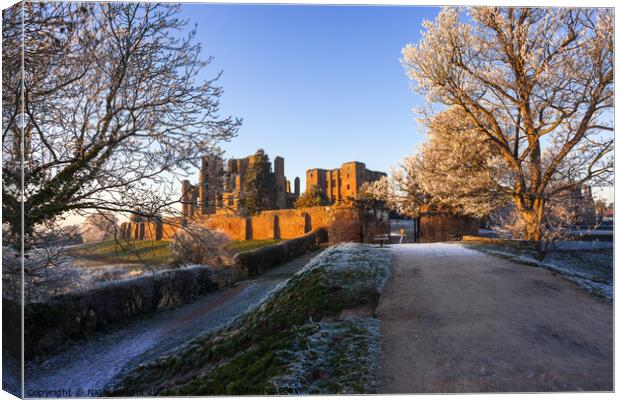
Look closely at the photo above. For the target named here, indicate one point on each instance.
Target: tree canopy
(259, 186)
(312, 197)
(534, 84)
(112, 108)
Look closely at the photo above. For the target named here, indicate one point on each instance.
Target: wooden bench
(382, 239)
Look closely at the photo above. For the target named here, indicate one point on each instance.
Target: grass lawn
(153, 252)
(244, 245)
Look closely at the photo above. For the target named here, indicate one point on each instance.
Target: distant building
(341, 184)
(579, 204)
(587, 215)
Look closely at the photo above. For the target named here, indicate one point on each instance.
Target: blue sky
(317, 85)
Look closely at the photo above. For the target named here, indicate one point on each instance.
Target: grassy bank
(152, 252)
(297, 340)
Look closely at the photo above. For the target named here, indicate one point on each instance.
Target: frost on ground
(296, 340)
(590, 268)
(49, 274)
(322, 357)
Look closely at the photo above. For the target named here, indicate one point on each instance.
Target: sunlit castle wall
(343, 224)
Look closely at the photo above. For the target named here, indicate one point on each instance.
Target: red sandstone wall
(344, 224)
(152, 231)
(262, 226)
(168, 231)
(234, 227)
(440, 227)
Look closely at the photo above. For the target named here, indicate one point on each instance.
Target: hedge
(255, 262)
(78, 315)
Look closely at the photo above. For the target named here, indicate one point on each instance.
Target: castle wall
(281, 184)
(343, 224)
(441, 227)
(168, 230)
(234, 227)
(210, 183)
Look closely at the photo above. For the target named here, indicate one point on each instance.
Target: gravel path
(456, 321)
(87, 367)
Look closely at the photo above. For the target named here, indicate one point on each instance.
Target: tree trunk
(532, 216)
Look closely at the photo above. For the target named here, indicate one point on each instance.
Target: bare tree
(99, 226)
(197, 244)
(536, 83)
(109, 108)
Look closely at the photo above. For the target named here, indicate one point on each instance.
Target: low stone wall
(78, 315)
(149, 230)
(236, 228)
(255, 262)
(441, 227)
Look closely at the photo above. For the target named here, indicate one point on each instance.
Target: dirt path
(86, 368)
(456, 320)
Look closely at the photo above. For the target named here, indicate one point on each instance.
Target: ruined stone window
(348, 187)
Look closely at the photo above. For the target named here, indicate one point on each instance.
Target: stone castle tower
(221, 188)
(342, 183)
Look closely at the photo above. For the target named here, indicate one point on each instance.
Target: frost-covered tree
(458, 167)
(106, 106)
(103, 105)
(400, 191)
(463, 176)
(536, 84)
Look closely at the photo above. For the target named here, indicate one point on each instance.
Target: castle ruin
(341, 184)
(216, 203)
(221, 189)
